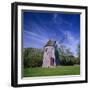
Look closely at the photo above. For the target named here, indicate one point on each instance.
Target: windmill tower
(49, 59)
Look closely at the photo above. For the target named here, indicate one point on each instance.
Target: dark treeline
(33, 57)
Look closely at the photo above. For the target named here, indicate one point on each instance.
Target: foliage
(67, 57)
(67, 60)
(33, 57)
(78, 53)
(77, 61)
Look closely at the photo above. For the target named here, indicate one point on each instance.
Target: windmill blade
(64, 37)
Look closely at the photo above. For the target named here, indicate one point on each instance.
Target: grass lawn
(60, 70)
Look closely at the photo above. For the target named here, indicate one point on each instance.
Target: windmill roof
(50, 43)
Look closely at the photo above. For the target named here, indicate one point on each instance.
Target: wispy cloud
(34, 38)
(40, 27)
(71, 42)
(55, 15)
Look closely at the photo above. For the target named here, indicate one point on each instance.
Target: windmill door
(52, 61)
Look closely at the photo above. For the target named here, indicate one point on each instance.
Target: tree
(68, 52)
(78, 50)
(78, 54)
(32, 57)
(26, 58)
(66, 56)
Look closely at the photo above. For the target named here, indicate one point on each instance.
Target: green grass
(60, 70)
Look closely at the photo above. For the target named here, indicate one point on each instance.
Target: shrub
(32, 57)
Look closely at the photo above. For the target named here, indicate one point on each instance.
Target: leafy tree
(26, 58)
(66, 56)
(32, 57)
(78, 54)
(78, 50)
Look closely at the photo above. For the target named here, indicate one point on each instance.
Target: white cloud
(33, 38)
(55, 17)
(71, 42)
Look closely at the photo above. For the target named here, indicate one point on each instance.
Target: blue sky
(39, 27)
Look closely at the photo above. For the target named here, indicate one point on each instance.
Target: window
(46, 49)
